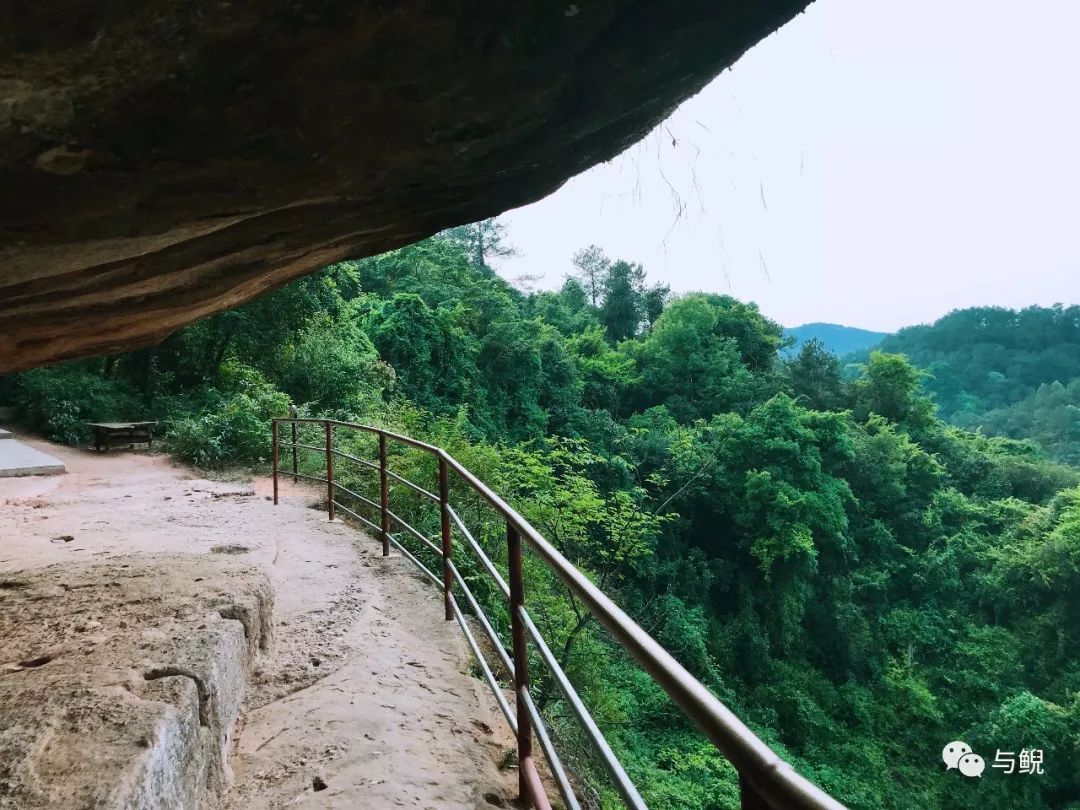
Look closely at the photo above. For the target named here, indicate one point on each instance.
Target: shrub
(233, 424)
(57, 401)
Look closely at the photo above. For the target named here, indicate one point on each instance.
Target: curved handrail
(766, 780)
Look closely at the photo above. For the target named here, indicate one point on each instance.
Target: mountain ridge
(837, 338)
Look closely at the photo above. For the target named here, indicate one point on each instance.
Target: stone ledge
(121, 683)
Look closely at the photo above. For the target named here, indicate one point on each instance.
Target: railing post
(294, 479)
(330, 468)
(750, 799)
(444, 507)
(384, 497)
(274, 430)
(521, 662)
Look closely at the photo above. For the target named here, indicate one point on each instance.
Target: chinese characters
(1031, 761)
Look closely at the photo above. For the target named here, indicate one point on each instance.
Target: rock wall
(162, 160)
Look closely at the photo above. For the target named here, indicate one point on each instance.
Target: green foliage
(481, 242)
(623, 309)
(435, 361)
(889, 387)
(607, 374)
(707, 354)
(1050, 418)
(814, 377)
(617, 293)
(857, 579)
(593, 268)
(567, 310)
(1009, 372)
(335, 367)
(57, 401)
(230, 427)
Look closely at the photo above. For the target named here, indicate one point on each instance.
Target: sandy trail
(366, 701)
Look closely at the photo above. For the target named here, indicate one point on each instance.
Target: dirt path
(366, 701)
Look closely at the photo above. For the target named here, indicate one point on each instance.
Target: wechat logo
(959, 755)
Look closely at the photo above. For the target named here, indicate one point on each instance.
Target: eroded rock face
(163, 160)
(121, 683)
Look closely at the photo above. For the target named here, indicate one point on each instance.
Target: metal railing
(766, 782)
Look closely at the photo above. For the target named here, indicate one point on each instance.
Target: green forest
(1002, 371)
(859, 576)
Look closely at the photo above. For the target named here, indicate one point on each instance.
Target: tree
(623, 309)
(617, 290)
(435, 360)
(606, 372)
(593, 268)
(482, 241)
(653, 300)
(700, 357)
(529, 378)
(890, 387)
(335, 367)
(1050, 417)
(568, 310)
(814, 376)
(989, 358)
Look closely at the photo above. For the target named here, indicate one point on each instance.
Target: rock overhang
(162, 160)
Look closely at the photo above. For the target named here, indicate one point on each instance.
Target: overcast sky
(874, 163)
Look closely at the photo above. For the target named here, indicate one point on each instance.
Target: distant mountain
(984, 358)
(840, 340)
(1013, 373)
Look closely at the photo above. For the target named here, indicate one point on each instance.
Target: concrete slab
(17, 458)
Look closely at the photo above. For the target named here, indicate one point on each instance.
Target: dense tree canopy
(859, 580)
(1007, 372)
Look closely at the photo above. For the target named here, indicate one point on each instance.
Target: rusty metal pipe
(537, 797)
(750, 799)
(775, 780)
(384, 497)
(444, 514)
(434, 549)
(294, 467)
(521, 664)
(431, 496)
(319, 447)
(484, 621)
(274, 428)
(356, 516)
(362, 462)
(366, 501)
(330, 470)
(412, 558)
(489, 566)
(555, 763)
(619, 778)
(484, 667)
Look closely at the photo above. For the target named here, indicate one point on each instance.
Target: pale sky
(875, 163)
